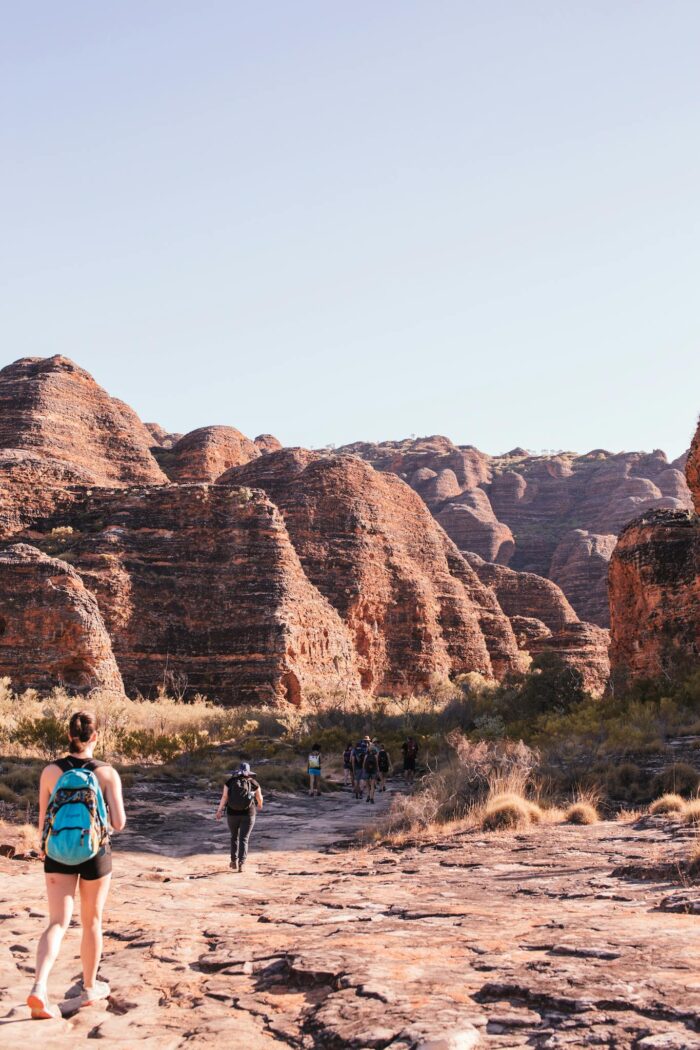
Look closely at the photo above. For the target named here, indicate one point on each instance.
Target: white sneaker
(38, 1003)
(100, 990)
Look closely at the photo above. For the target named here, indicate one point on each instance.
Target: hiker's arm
(258, 799)
(44, 796)
(115, 801)
(222, 803)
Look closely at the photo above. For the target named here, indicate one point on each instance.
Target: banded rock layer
(414, 607)
(655, 589)
(200, 583)
(553, 515)
(51, 629)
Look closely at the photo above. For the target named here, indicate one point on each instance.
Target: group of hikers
(81, 803)
(366, 765)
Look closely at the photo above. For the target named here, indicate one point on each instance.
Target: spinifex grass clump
(668, 803)
(581, 813)
(691, 812)
(503, 812)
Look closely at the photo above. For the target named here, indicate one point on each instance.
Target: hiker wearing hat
(239, 798)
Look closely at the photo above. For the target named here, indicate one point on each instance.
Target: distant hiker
(347, 765)
(80, 801)
(384, 763)
(410, 754)
(239, 798)
(370, 769)
(314, 768)
(358, 760)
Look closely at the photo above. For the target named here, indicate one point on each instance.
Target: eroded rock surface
(544, 622)
(655, 589)
(202, 582)
(51, 630)
(552, 515)
(204, 454)
(54, 409)
(414, 607)
(542, 939)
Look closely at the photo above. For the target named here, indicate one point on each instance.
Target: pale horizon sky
(342, 222)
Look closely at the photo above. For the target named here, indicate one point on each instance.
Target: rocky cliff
(200, 584)
(204, 454)
(51, 630)
(554, 515)
(543, 621)
(655, 589)
(414, 607)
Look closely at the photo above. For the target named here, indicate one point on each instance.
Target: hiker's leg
(311, 784)
(60, 890)
(93, 896)
(234, 826)
(247, 823)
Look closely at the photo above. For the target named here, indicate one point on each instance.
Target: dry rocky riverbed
(558, 937)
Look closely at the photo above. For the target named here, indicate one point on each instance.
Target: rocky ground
(558, 937)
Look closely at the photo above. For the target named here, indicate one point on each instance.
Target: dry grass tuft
(22, 836)
(694, 859)
(629, 816)
(691, 812)
(581, 813)
(507, 811)
(668, 803)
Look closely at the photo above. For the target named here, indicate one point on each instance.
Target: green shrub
(679, 779)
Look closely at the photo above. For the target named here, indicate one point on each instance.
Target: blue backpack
(76, 818)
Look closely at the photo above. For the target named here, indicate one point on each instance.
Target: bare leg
(93, 895)
(60, 890)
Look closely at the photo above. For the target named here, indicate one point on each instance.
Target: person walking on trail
(358, 761)
(314, 768)
(410, 755)
(371, 769)
(347, 766)
(384, 763)
(240, 797)
(80, 801)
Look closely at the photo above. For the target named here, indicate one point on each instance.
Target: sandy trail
(503, 941)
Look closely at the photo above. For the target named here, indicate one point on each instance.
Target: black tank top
(72, 762)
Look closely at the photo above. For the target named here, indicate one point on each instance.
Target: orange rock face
(544, 621)
(52, 408)
(202, 583)
(654, 587)
(51, 630)
(553, 515)
(204, 454)
(414, 607)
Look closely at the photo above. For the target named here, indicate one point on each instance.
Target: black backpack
(240, 794)
(383, 759)
(371, 763)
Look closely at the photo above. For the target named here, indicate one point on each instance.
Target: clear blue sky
(360, 220)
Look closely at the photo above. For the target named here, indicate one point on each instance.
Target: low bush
(668, 803)
(679, 778)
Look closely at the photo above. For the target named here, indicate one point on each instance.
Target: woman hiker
(240, 797)
(314, 768)
(75, 821)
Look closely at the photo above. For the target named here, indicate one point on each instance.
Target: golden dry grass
(581, 813)
(691, 812)
(668, 803)
(21, 836)
(509, 810)
(694, 858)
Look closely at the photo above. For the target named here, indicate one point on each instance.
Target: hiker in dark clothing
(358, 761)
(410, 754)
(239, 798)
(370, 769)
(348, 778)
(384, 763)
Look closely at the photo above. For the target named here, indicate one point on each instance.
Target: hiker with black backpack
(410, 756)
(240, 797)
(384, 762)
(371, 769)
(80, 802)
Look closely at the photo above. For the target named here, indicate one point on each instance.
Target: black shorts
(409, 765)
(95, 868)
